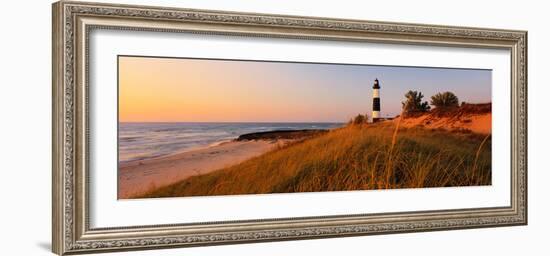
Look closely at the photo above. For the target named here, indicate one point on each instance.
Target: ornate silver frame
(72, 21)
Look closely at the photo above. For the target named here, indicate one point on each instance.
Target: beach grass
(355, 157)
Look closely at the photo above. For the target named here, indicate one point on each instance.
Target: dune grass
(356, 157)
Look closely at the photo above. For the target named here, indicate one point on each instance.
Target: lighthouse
(376, 101)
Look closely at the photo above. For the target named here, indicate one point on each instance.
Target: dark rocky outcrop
(281, 134)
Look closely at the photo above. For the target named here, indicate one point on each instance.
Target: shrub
(413, 103)
(360, 119)
(444, 100)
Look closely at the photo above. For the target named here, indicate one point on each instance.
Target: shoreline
(213, 144)
(137, 177)
(266, 135)
(140, 176)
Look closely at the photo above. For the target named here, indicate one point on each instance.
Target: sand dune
(474, 123)
(137, 177)
(476, 118)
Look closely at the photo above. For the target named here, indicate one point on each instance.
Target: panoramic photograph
(211, 127)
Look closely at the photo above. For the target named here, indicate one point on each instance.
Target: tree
(413, 103)
(445, 100)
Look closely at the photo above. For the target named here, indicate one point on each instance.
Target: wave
(151, 140)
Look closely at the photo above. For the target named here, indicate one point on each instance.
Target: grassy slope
(353, 158)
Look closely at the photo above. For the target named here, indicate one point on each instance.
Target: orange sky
(194, 90)
(171, 90)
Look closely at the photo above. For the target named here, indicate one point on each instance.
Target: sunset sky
(193, 90)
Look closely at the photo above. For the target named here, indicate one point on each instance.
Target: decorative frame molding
(72, 22)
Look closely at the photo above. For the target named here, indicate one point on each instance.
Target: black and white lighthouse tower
(376, 101)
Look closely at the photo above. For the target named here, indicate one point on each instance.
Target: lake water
(147, 140)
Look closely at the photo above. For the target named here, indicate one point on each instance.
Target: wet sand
(139, 176)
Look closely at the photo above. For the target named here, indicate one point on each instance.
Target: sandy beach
(139, 176)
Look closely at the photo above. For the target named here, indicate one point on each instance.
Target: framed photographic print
(179, 127)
